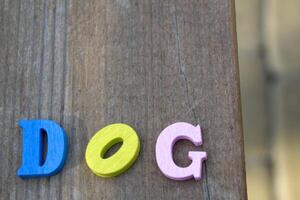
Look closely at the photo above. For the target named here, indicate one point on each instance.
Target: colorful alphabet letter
(164, 148)
(33, 164)
(103, 140)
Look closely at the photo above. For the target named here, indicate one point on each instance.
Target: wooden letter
(164, 146)
(33, 164)
(122, 159)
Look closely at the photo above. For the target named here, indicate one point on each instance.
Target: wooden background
(89, 63)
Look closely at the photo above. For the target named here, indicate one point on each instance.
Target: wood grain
(86, 64)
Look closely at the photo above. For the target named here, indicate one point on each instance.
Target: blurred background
(269, 59)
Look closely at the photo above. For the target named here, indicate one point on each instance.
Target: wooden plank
(86, 64)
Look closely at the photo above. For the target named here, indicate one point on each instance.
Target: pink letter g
(164, 148)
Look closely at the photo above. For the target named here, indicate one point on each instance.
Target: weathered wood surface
(89, 63)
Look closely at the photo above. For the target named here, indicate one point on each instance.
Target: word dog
(37, 134)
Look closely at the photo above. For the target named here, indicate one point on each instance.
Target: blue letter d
(34, 133)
